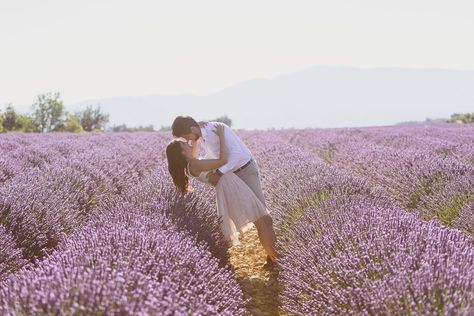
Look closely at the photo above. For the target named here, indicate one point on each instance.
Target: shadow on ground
(258, 284)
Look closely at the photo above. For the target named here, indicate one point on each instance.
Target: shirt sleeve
(234, 157)
(228, 167)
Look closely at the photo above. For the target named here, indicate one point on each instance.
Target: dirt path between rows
(257, 283)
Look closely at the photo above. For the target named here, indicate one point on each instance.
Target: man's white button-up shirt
(238, 153)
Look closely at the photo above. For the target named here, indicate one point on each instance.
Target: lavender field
(369, 221)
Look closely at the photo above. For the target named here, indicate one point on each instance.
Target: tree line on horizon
(49, 115)
(466, 118)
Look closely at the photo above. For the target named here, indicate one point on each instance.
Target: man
(240, 161)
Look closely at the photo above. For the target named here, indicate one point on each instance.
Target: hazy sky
(100, 48)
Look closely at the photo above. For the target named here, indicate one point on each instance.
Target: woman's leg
(266, 234)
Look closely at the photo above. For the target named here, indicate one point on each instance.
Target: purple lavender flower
(125, 263)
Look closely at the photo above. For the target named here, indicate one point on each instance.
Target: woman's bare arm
(198, 166)
(195, 148)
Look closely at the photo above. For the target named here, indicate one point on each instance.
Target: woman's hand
(213, 178)
(220, 130)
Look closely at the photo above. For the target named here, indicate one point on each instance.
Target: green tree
(48, 112)
(1, 122)
(26, 123)
(466, 118)
(119, 128)
(140, 128)
(124, 128)
(93, 119)
(224, 119)
(72, 124)
(12, 121)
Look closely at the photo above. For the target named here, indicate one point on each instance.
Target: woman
(237, 204)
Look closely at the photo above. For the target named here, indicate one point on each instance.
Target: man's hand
(213, 178)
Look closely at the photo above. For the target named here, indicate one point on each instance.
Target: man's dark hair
(182, 125)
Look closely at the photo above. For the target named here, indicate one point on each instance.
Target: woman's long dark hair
(177, 164)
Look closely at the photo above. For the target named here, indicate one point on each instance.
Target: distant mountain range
(315, 97)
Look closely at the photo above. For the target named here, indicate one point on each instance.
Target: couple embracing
(228, 165)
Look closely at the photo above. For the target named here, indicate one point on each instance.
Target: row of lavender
(119, 239)
(55, 188)
(428, 170)
(19, 154)
(348, 246)
(125, 262)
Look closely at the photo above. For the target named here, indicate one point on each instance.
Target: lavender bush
(366, 260)
(414, 165)
(369, 221)
(194, 213)
(11, 258)
(125, 263)
(41, 203)
(349, 248)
